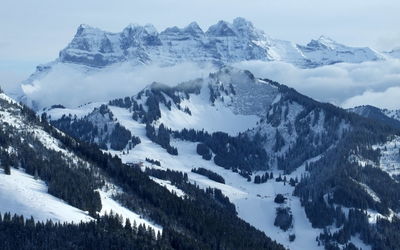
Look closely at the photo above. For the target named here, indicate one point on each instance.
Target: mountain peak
(193, 28)
(85, 29)
(85, 26)
(132, 26)
(246, 28)
(242, 22)
(222, 28)
(326, 40)
(323, 42)
(148, 28)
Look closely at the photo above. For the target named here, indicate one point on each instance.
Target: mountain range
(221, 44)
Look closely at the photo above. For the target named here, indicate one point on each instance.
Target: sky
(33, 32)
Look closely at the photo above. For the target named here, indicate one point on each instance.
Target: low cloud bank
(347, 85)
(390, 99)
(72, 85)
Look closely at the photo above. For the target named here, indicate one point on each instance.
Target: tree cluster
(239, 152)
(210, 174)
(161, 137)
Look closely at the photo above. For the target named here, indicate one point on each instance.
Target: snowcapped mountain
(221, 44)
(244, 129)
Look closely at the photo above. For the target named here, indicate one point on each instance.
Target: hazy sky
(33, 32)
(38, 30)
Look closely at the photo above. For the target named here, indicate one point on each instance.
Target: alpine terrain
(222, 161)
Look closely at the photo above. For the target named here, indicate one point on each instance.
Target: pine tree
(128, 225)
(36, 175)
(7, 169)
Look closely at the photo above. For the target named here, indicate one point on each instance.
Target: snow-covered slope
(394, 114)
(21, 194)
(389, 160)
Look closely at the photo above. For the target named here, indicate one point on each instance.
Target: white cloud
(71, 85)
(386, 99)
(336, 83)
